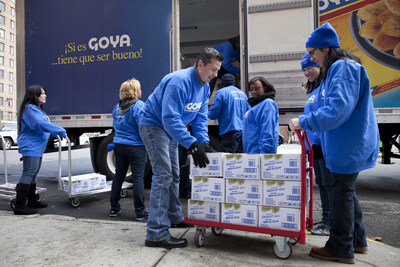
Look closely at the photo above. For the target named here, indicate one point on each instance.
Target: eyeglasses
(312, 52)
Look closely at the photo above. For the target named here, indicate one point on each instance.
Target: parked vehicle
(9, 133)
(82, 63)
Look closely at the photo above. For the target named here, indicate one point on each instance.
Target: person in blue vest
(349, 139)
(180, 98)
(231, 51)
(34, 129)
(129, 149)
(315, 90)
(229, 106)
(261, 125)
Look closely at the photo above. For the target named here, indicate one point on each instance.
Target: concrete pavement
(54, 240)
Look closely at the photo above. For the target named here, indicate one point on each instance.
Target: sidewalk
(53, 240)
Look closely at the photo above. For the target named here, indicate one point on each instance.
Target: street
(378, 191)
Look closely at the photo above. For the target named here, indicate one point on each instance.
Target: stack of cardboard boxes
(83, 183)
(261, 190)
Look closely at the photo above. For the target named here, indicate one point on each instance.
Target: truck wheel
(106, 160)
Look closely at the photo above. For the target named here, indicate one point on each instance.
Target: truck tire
(8, 142)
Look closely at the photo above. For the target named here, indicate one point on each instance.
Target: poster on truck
(82, 51)
(371, 30)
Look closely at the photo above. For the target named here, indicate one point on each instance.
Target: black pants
(231, 142)
(184, 185)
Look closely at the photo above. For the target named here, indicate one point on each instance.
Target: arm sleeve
(267, 138)
(342, 93)
(38, 121)
(227, 64)
(199, 124)
(216, 107)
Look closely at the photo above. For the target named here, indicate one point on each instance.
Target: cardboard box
(83, 183)
(239, 214)
(281, 193)
(204, 210)
(243, 191)
(281, 166)
(279, 218)
(241, 166)
(213, 169)
(208, 189)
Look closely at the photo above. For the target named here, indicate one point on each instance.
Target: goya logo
(193, 107)
(104, 42)
(311, 99)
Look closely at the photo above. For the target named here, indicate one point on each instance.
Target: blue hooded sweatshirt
(350, 137)
(229, 106)
(230, 55)
(35, 132)
(314, 101)
(125, 123)
(177, 101)
(261, 128)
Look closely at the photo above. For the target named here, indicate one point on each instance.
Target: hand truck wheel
(217, 231)
(75, 202)
(124, 193)
(12, 204)
(199, 237)
(285, 254)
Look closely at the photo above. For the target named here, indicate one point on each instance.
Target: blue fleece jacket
(229, 106)
(35, 131)
(177, 101)
(230, 55)
(314, 101)
(261, 128)
(350, 137)
(126, 125)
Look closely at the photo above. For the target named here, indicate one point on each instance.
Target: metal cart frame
(284, 239)
(74, 198)
(7, 190)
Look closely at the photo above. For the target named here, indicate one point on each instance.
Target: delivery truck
(81, 51)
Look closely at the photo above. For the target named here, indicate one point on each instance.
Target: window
(12, 11)
(1, 101)
(1, 88)
(1, 47)
(2, 33)
(11, 37)
(12, 1)
(2, 6)
(9, 102)
(12, 24)
(11, 50)
(11, 76)
(1, 60)
(11, 63)
(10, 89)
(9, 117)
(2, 20)
(1, 74)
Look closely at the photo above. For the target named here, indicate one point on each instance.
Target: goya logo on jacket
(311, 99)
(193, 107)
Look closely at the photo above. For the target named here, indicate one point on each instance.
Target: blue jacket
(229, 106)
(261, 128)
(314, 101)
(350, 137)
(125, 123)
(177, 101)
(35, 131)
(230, 55)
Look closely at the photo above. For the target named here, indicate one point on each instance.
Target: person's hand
(294, 124)
(199, 157)
(208, 148)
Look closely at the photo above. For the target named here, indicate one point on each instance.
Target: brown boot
(323, 254)
(20, 202)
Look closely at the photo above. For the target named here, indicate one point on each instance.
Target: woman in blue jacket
(129, 149)
(349, 139)
(34, 129)
(261, 125)
(315, 90)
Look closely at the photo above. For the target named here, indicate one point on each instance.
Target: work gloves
(199, 156)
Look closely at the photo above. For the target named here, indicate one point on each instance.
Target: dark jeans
(231, 142)
(322, 179)
(184, 185)
(30, 169)
(125, 156)
(348, 229)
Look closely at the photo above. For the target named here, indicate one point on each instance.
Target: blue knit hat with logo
(323, 36)
(306, 62)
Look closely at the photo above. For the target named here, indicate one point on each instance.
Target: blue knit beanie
(324, 36)
(306, 62)
(228, 79)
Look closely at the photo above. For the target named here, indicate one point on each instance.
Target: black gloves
(199, 157)
(208, 148)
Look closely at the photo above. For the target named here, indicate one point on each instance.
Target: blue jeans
(165, 207)
(125, 156)
(30, 168)
(348, 229)
(322, 179)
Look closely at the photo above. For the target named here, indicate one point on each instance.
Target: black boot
(20, 204)
(33, 202)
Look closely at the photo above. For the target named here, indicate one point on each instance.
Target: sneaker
(142, 216)
(115, 212)
(322, 229)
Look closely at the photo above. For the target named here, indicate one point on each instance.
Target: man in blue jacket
(229, 106)
(181, 98)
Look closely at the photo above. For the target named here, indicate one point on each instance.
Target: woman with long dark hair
(34, 129)
(349, 140)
